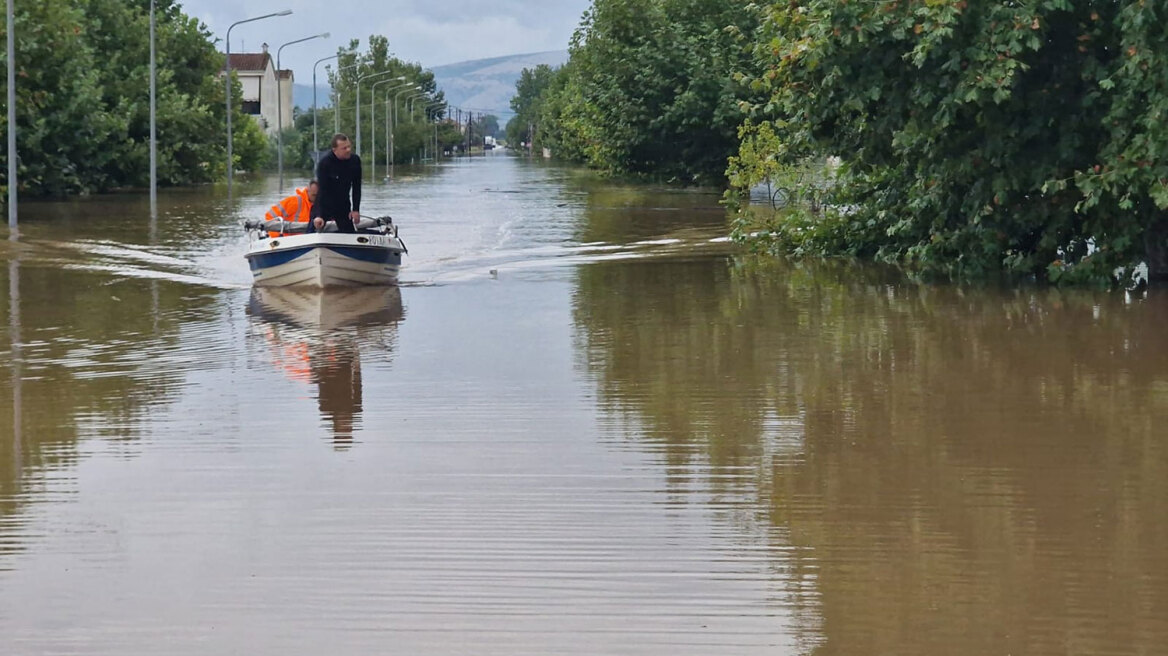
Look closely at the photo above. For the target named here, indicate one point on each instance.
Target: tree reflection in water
(974, 471)
(316, 336)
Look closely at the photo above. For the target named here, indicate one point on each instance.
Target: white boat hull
(328, 309)
(325, 260)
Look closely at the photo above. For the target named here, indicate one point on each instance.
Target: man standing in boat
(338, 174)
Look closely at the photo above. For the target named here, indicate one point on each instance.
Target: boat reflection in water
(316, 337)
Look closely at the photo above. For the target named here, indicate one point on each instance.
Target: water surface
(584, 424)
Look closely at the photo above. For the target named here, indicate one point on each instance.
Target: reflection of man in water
(336, 370)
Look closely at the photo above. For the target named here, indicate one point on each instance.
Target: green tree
(61, 121)
(353, 65)
(1016, 136)
(647, 89)
(83, 101)
(525, 103)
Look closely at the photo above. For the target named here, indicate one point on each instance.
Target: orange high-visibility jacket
(295, 208)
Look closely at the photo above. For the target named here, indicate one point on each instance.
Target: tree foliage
(83, 97)
(526, 102)
(977, 137)
(647, 89)
(413, 123)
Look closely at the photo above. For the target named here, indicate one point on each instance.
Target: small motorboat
(293, 257)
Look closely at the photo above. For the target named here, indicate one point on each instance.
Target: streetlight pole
(11, 39)
(153, 123)
(366, 77)
(315, 147)
(409, 101)
(280, 105)
(227, 83)
(337, 102)
(393, 123)
(373, 123)
(435, 104)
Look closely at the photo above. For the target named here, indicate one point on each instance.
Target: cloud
(429, 32)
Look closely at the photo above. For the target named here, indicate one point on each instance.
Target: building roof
(250, 61)
(285, 74)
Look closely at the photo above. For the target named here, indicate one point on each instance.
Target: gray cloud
(430, 32)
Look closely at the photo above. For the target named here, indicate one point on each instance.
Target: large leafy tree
(62, 122)
(83, 97)
(526, 102)
(647, 89)
(977, 137)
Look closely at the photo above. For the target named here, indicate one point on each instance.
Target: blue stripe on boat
(375, 255)
(365, 254)
(269, 260)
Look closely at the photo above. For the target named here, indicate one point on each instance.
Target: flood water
(585, 424)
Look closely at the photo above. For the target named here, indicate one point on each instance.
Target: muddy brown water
(585, 424)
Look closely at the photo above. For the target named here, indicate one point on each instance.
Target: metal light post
(410, 109)
(315, 147)
(410, 103)
(337, 103)
(11, 122)
(373, 123)
(153, 123)
(393, 127)
(227, 83)
(280, 105)
(359, 79)
(434, 118)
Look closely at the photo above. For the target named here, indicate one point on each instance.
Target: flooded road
(584, 425)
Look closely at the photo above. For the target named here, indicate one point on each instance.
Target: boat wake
(129, 261)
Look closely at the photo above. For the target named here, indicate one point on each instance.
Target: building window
(250, 107)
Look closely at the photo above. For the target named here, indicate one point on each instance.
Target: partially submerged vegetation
(974, 139)
(82, 98)
(648, 90)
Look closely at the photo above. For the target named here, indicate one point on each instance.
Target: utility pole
(153, 124)
(11, 38)
(227, 84)
(280, 103)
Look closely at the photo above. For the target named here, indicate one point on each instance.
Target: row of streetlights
(279, 102)
(11, 114)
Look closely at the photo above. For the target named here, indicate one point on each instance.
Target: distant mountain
(302, 95)
(487, 85)
(481, 86)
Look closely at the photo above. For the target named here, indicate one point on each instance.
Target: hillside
(487, 85)
(302, 96)
(480, 85)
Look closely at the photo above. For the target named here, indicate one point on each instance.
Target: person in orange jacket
(296, 208)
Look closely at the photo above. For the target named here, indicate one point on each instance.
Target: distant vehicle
(489, 143)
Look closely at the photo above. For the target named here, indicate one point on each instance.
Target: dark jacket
(337, 177)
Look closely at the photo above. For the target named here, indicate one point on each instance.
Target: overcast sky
(430, 32)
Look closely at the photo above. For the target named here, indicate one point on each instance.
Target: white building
(258, 76)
